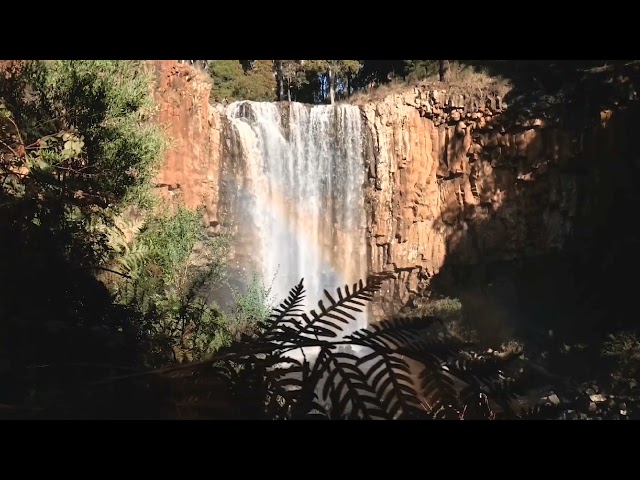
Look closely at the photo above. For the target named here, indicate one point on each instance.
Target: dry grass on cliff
(380, 92)
(194, 71)
(464, 79)
(468, 79)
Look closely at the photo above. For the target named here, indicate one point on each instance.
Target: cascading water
(299, 174)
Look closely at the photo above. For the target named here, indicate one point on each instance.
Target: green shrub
(170, 262)
(76, 148)
(249, 307)
(451, 312)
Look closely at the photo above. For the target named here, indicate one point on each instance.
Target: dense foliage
(233, 81)
(326, 81)
(97, 271)
(75, 149)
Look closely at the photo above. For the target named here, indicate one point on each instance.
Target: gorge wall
(457, 182)
(451, 181)
(190, 171)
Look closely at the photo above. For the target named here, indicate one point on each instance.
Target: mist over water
(299, 177)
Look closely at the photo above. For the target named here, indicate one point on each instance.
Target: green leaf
(42, 165)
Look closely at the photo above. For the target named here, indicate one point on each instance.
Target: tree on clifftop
(228, 80)
(335, 71)
(260, 81)
(242, 80)
(293, 75)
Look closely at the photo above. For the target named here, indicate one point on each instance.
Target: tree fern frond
(390, 377)
(284, 389)
(477, 370)
(400, 371)
(290, 307)
(393, 333)
(437, 385)
(346, 387)
(312, 329)
(338, 310)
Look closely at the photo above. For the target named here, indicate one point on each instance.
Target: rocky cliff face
(190, 170)
(456, 179)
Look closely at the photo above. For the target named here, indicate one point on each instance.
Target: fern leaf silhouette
(393, 369)
(347, 389)
(391, 378)
(283, 322)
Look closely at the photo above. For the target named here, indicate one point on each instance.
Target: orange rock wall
(457, 181)
(191, 166)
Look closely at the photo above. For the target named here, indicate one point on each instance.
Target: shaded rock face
(459, 186)
(190, 170)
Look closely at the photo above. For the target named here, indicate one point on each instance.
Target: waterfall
(299, 207)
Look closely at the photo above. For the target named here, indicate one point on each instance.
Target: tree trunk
(349, 84)
(289, 89)
(332, 93)
(445, 70)
(280, 79)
